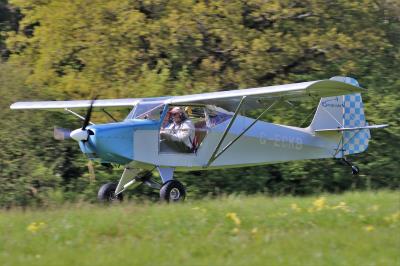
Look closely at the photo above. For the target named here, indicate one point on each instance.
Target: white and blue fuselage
(136, 143)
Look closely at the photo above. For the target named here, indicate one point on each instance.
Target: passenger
(179, 134)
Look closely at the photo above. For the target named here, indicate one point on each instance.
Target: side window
(183, 129)
(216, 117)
(150, 111)
(147, 111)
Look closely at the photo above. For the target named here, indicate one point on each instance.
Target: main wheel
(173, 191)
(107, 193)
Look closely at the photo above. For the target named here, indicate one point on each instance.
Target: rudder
(353, 116)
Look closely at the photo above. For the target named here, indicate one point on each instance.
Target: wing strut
(216, 154)
(213, 156)
(109, 115)
(76, 114)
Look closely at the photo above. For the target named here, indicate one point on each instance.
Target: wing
(256, 96)
(80, 104)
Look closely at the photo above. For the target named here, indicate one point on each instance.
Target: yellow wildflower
(235, 230)
(369, 228)
(34, 227)
(295, 207)
(233, 216)
(254, 230)
(319, 203)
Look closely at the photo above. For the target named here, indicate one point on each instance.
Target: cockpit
(184, 134)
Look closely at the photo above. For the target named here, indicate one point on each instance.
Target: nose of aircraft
(79, 134)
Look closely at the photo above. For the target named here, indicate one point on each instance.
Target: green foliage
(9, 17)
(32, 162)
(349, 229)
(77, 49)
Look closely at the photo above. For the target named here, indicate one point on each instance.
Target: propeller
(80, 134)
(88, 114)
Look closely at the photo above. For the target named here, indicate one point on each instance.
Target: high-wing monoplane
(208, 131)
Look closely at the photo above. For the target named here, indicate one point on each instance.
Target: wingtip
(14, 106)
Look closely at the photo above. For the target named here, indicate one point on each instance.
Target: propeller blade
(88, 114)
(60, 133)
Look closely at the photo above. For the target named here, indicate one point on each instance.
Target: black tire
(355, 170)
(107, 193)
(173, 191)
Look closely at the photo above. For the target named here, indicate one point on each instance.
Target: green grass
(362, 230)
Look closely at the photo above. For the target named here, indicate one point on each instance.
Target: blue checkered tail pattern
(355, 141)
(341, 119)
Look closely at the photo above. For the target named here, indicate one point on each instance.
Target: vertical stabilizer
(346, 111)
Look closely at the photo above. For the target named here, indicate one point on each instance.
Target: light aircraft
(221, 137)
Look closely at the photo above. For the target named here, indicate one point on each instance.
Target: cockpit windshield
(147, 110)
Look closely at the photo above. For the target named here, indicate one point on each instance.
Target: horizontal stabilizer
(351, 128)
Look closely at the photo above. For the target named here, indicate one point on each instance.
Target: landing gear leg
(131, 177)
(170, 190)
(354, 169)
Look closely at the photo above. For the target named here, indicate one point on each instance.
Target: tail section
(343, 115)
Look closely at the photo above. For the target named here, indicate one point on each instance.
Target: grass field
(350, 229)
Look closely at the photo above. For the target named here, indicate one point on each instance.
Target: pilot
(179, 134)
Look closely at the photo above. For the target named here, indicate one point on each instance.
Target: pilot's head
(178, 115)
